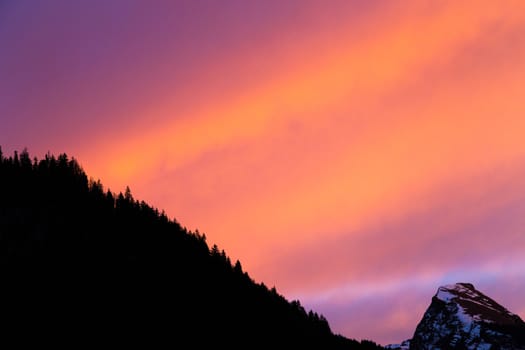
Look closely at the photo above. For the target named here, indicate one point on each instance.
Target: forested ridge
(87, 264)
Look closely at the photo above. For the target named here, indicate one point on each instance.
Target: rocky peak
(461, 317)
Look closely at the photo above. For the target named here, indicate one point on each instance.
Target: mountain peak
(451, 291)
(474, 305)
(461, 317)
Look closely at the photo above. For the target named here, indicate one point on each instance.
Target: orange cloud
(363, 70)
(354, 141)
(360, 132)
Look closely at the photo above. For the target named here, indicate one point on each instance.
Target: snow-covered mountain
(461, 317)
(403, 346)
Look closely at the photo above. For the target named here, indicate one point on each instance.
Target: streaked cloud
(353, 153)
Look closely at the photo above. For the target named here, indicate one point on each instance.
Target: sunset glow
(355, 154)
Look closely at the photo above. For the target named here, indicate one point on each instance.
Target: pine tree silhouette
(85, 266)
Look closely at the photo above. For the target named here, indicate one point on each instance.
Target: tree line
(108, 267)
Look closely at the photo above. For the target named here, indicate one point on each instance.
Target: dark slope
(86, 266)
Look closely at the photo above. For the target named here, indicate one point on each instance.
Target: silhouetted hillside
(84, 265)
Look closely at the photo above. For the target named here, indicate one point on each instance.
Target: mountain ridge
(461, 317)
(87, 266)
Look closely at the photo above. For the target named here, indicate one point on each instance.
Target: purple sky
(355, 154)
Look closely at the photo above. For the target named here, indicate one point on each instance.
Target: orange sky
(339, 149)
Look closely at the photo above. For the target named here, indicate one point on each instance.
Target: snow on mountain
(405, 345)
(461, 317)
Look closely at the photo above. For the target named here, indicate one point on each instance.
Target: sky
(354, 154)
